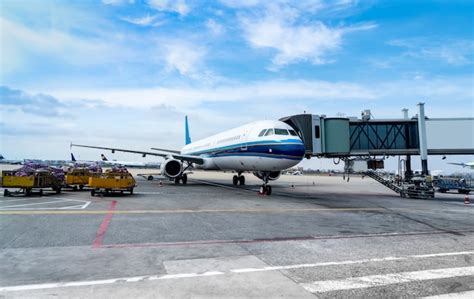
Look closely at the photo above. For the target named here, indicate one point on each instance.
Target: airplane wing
(187, 158)
(459, 164)
(165, 150)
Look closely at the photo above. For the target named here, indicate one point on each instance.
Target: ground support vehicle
(446, 184)
(112, 182)
(77, 178)
(26, 184)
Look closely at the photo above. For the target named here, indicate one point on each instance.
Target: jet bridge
(369, 139)
(351, 137)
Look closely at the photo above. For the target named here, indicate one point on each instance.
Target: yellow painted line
(184, 211)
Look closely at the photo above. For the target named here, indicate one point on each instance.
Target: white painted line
(234, 271)
(32, 204)
(75, 206)
(382, 280)
(460, 295)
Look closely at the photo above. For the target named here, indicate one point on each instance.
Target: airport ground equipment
(445, 184)
(418, 187)
(78, 177)
(27, 182)
(117, 179)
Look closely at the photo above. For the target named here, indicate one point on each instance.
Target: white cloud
(214, 27)
(184, 57)
(296, 43)
(22, 45)
(454, 52)
(177, 6)
(148, 20)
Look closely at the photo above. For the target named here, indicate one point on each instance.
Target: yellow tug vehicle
(115, 180)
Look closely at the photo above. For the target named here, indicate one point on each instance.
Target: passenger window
(269, 132)
(293, 133)
(281, 132)
(262, 133)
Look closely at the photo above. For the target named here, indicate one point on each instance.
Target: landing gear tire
(235, 180)
(176, 181)
(6, 192)
(241, 180)
(74, 188)
(269, 190)
(92, 192)
(131, 191)
(41, 192)
(150, 178)
(265, 190)
(81, 187)
(58, 190)
(184, 179)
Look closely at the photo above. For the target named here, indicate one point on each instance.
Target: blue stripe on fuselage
(284, 149)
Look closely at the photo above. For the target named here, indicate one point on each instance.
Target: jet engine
(273, 175)
(172, 168)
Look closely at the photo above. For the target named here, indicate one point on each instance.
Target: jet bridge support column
(422, 136)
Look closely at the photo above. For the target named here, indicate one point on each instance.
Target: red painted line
(99, 237)
(303, 238)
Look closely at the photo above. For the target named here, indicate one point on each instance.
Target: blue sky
(124, 73)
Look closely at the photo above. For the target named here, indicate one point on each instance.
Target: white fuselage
(258, 146)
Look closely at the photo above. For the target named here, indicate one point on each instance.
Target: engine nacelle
(172, 168)
(274, 175)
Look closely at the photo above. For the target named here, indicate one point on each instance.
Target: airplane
(469, 165)
(13, 162)
(106, 161)
(263, 147)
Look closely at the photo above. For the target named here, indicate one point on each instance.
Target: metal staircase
(414, 189)
(384, 182)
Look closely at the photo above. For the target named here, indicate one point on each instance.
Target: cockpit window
(269, 132)
(281, 132)
(293, 133)
(262, 133)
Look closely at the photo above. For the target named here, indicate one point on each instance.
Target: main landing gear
(183, 178)
(238, 179)
(265, 189)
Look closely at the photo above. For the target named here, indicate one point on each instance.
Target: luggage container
(114, 180)
(77, 178)
(26, 184)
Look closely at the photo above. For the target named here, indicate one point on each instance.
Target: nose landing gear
(265, 189)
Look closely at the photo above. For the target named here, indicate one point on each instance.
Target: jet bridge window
(281, 132)
(293, 133)
(262, 133)
(269, 132)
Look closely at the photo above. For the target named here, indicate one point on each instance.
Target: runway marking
(104, 226)
(26, 206)
(407, 276)
(382, 280)
(184, 211)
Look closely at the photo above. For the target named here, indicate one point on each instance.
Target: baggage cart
(26, 184)
(112, 182)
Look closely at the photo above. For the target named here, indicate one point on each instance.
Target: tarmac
(315, 236)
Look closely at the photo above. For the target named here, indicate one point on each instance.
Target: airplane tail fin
(104, 158)
(186, 131)
(73, 159)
